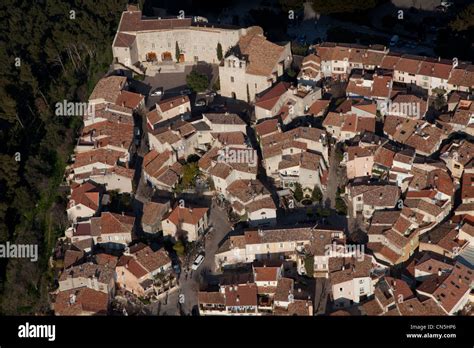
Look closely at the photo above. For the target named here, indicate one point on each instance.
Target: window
(361, 281)
(232, 79)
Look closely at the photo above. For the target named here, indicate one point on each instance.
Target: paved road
(191, 282)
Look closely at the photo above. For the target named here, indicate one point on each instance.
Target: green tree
(298, 192)
(464, 20)
(219, 52)
(177, 51)
(197, 82)
(316, 195)
(309, 265)
(179, 248)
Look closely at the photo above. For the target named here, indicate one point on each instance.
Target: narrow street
(184, 300)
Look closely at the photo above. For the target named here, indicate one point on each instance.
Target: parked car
(446, 4)
(197, 262)
(156, 92)
(200, 102)
(185, 91)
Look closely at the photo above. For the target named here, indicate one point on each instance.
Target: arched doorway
(166, 56)
(233, 95)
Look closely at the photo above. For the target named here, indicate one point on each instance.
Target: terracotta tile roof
(111, 223)
(205, 297)
(153, 212)
(108, 88)
(87, 194)
(154, 116)
(318, 107)
(225, 118)
(268, 100)
(106, 133)
(221, 170)
(385, 251)
(107, 260)
(152, 260)
(153, 161)
(124, 40)
(372, 308)
(241, 295)
(437, 69)
(366, 106)
(371, 57)
(206, 160)
(384, 156)
(267, 127)
(230, 138)
(352, 269)
(80, 301)
(246, 190)
(422, 105)
(133, 22)
(409, 64)
(129, 99)
(72, 257)
(414, 307)
(186, 215)
(333, 119)
(449, 289)
(262, 55)
(284, 289)
(171, 103)
(377, 195)
(103, 274)
(385, 217)
(396, 238)
(389, 61)
(101, 155)
(357, 152)
(266, 274)
(462, 76)
(264, 203)
(297, 307)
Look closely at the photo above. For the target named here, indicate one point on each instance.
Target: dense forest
(50, 51)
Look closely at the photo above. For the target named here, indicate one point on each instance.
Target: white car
(157, 92)
(197, 262)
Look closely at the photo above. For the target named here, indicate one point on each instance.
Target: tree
(341, 207)
(464, 20)
(179, 248)
(177, 52)
(309, 265)
(439, 101)
(219, 52)
(317, 195)
(326, 7)
(196, 81)
(298, 192)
